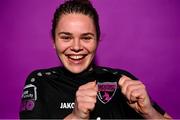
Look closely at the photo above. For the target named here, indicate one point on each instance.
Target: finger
(122, 79)
(86, 99)
(86, 107)
(82, 108)
(133, 87)
(127, 83)
(134, 96)
(137, 95)
(90, 106)
(88, 85)
(87, 92)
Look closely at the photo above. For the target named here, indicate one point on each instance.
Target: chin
(76, 69)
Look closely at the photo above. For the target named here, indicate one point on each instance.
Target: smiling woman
(79, 89)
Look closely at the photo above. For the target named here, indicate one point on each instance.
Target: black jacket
(50, 93)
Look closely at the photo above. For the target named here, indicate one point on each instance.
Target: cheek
(92, 47)
(61, 47)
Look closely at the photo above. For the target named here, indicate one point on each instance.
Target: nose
(76, 45)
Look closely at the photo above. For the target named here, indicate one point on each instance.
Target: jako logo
(66, 105)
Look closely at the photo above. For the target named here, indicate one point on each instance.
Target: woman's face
(75, 41)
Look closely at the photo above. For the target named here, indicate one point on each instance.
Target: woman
(80, 89)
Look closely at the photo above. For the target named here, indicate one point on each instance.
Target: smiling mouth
(76, 57)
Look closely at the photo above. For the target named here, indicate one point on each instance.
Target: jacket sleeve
(158, 108)
(31, 100)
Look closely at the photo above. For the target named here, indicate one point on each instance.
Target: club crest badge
(106, 91)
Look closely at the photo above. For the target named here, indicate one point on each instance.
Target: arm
(138, 99)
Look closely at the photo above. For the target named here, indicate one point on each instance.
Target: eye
(86, 38)
(66, 38)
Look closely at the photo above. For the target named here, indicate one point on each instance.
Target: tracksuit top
(50, 93)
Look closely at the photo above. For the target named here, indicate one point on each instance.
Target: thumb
(121, 80)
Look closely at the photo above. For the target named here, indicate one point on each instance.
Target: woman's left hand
(136, 94)
(138, 98)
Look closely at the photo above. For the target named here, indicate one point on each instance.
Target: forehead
(75, 16)
(75, 21)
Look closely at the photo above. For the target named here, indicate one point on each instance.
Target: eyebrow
(66, 33)
(84, 34)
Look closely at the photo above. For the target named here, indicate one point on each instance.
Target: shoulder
(34, 81)
(116, 71)
(39, 74)
(33, 90)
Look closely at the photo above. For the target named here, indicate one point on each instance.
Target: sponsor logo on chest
(66, 105)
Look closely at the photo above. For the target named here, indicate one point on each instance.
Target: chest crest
(106, 91)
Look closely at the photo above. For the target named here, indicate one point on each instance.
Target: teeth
(76, 57)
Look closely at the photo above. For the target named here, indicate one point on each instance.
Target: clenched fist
(85, 100)
(136, 94)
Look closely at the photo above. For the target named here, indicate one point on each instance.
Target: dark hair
(76, 6)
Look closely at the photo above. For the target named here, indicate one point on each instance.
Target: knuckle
(143, 86)
(78, 99)
(95, 94)
(91, 105)
(139, 82)
(79, 93)
(129, 88)
(80, 87)
(123, 90)
(123, 80)
(80, 106)
(126, 80)
(134, 93)
(95, 100)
